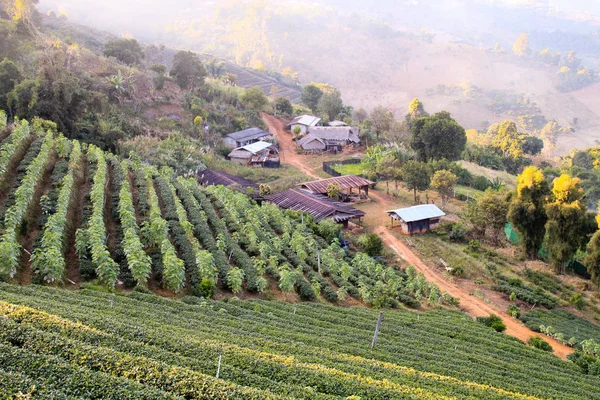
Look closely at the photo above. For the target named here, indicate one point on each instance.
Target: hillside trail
(472, 305)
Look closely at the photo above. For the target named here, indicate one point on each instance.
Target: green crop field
(97, 344)
(562, 324)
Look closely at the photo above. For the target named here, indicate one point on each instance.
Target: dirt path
(287, 146)
(81, 188)
(33, 228)
(469, 304)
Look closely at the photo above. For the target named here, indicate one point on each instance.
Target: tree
(283, 106)
(521, 46)
(416, 176)
(20, 10)
(330, 104)
(532, 145)
(254, 99)
(494, 209)
(360, 115)
(371, 244)
(443, 181)
(9, 78)
(333, 190)
(311, 95)
(566, 221)
(527, 210)
(592, 260)
(438, 136)
(507, 139)
(188, 70)
(127, 51)
(416, 110)
(382, 120)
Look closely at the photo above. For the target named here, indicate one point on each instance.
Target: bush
(539, 343)
(493, 321)
(458, 234)
(371, 244)
(206, 289)
(514, 311)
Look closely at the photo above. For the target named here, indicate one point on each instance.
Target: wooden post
(377, 329)
(219, 367)
(319, 260)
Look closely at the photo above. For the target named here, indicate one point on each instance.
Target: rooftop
(418, 213)
(309, 138)
(346, 182)
(340, 133)
(307, 120)
(318, 206)
(337, 123)
(256, 147)
(248, 134)
(214, 177)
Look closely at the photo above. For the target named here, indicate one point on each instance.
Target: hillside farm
(116, 347)
(168, 234)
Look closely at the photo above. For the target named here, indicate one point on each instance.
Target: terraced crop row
(276, 350)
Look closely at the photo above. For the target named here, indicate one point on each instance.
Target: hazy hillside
(388, 54)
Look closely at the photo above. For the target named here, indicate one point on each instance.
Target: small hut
(417, 219)
(351, 186)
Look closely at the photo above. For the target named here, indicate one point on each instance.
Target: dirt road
(473, 306)
(287, 146)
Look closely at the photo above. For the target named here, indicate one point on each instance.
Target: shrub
(493, 321)
(539, 343)
(514, 311)
(458, 234)
(207, 288)
(371, 244)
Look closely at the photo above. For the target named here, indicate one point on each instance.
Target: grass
(468, 191)
(278, 178)
(491, 174)
(350, 169)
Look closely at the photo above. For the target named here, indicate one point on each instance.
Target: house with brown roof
(319, 206)
(351, 186)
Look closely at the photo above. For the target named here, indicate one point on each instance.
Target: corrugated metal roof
(346, 182)
(318, 206)
(248, 134)
(418, 213)
(337, 123)
(306, 120)
(214, 177)
(256, 147)
(340, 133)
(309, 138)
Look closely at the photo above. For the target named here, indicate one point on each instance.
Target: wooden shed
(351, 186)
(417, 219)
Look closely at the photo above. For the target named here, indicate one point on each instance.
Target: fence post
(377, 330)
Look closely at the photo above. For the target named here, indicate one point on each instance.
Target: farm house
(246, 137)
(417, 219)
(305, 122)
(259, 154)
(327, 138)
(352, 187)
(319, 206)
